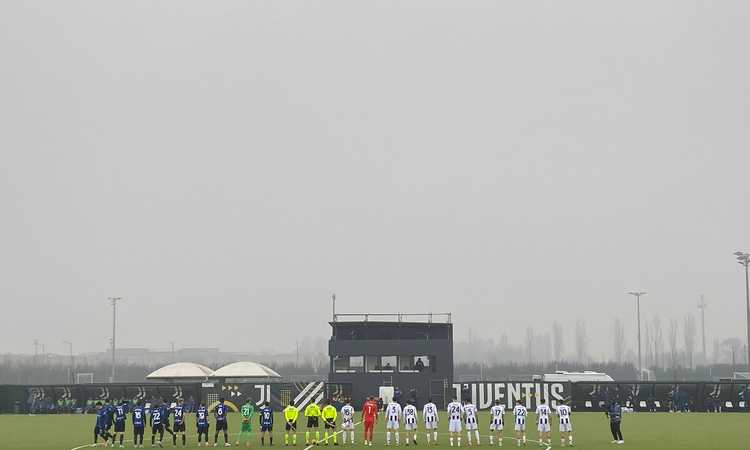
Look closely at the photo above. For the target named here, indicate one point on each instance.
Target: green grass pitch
(642, 431)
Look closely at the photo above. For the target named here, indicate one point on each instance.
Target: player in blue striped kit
(119, 417)
(201, 423)
(157, 424)
(179, 423)
(139, 424)
(266, 423)
(103, 422)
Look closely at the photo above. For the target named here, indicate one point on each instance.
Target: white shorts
(392, 425)
(543, 427)
(496, 426)
(454, 426)
(347, 425)
(431, 425)
(471, 426)
(520, 426)
(410, 426)
(566, 427)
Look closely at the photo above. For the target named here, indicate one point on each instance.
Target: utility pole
(744, 259)
(71, 369)
(637, 295)
(333, 298)
(702, 307)
(113, 301)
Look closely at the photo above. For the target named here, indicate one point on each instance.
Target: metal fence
(730, 396)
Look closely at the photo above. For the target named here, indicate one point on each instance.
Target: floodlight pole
(36, 350)
(637, 295)
(702, 307)
(744, 259)
(72, 361)
(113, 301)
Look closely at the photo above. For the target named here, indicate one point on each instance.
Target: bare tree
(717, 351)
(673, 330)
(545, 342)
(689, 332)
(504, 343)
(530, 343)
(619, 340)
(557, 340)
(648, 345)
(581, 340)
(731, 348)
(658, 341)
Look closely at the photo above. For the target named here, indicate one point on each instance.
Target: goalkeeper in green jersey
(246, 412)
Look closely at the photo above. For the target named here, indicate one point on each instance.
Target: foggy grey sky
(226, 165)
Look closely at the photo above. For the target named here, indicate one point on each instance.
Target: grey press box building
(413, 353)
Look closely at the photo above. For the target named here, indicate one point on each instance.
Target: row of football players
(111, 421)
(465, 415)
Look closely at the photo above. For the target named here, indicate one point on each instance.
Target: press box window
(385, 364)
(417, 363)
(349, 364)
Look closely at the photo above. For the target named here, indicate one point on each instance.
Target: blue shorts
(266, 427)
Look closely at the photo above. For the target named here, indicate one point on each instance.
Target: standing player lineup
(111, 419)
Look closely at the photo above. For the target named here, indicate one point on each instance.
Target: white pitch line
(528, 440)
(329, 437)
(124, 441)
(80, 447)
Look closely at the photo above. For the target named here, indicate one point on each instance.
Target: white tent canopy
(181, 370)
(245, 369)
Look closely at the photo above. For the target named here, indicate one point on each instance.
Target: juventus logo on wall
(265, 393)
(311, 392)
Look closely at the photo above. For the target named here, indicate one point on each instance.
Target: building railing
(393, 317)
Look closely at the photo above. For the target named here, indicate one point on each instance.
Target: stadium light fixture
(702, 307)
(637, 295)
(72, 363)
(744, 259)
(113, 301)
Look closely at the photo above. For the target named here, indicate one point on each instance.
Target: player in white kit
(393, 418)
(471, 419)
(455, 413)
(566, 427)
(497, 413)
(347, 420)
(431, 419)
(519, 416)
(543, 414)
(410, 423)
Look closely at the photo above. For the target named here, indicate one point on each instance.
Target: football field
(642, 431)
